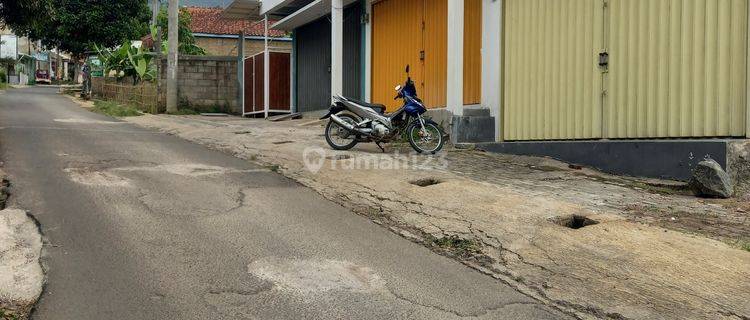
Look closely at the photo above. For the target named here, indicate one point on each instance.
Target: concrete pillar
(337, 47)
(172, 57)
(492, 25)
(747, 103)
(241, 71)
(266, 70)
(455, 85)
(293, 74)
(368, 52)
(155, 6)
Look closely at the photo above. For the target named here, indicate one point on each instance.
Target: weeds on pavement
(115, 110)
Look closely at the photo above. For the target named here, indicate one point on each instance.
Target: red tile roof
(209, 20)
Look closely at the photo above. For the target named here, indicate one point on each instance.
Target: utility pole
(155, 12)
(172, 56)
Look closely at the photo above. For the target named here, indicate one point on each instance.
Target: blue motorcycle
(353, 121)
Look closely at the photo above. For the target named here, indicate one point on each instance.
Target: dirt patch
(730, 226)
(314, 276)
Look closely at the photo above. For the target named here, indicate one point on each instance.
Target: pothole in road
(90, 177)
(188, 170)
(317, 276)
(575, 221)
(425, 182)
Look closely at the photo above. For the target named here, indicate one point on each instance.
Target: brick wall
(228, 46)
(206, 83)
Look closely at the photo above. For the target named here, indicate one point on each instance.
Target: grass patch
(115, 110)
(745, 246)
(456, 244)
(3, 86)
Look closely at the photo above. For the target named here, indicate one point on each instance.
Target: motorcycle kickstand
(379, 146)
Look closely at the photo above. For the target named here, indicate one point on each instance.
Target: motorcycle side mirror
(398, 88)
(407, 68)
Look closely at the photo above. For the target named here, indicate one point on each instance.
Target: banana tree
(140, 61)
(115, 60)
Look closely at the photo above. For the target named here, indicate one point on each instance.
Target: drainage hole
(575, 221)
(339, 157)
(425, 182)
(282, 142)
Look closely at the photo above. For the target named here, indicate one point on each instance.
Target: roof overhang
(243, 9)
(307, 14)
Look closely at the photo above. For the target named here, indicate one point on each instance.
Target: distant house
(219, 36)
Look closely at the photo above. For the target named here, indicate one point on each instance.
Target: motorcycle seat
(379, 108)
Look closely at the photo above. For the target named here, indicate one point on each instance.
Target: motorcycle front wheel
(338, 137)
(427, 138)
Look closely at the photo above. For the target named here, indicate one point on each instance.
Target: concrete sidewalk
(593, 244)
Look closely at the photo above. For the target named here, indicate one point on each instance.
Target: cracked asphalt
(143, 225)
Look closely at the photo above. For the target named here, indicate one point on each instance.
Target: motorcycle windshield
(410, 89)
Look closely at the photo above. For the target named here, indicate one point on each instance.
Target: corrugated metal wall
(678, 68)
(472, 51)
(435, 39)
(396, 28)
(313, 60)
(552, 83)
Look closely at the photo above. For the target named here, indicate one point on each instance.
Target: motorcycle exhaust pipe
(343, 123)
(348, 126)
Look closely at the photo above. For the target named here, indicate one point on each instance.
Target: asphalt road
(143, 225)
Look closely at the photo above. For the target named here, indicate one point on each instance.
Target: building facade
(218, 36)
(524, 75)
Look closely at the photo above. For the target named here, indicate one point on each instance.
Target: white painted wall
(337, 47)
(492, 13)
(455, 83)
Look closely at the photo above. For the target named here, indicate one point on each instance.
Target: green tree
(76, 25)
(185, 34)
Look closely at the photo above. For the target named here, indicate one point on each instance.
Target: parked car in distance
(42, 76)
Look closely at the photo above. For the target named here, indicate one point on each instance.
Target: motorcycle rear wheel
(338, 137)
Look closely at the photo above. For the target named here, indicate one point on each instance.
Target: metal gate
(279, 84)
(586, 69)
